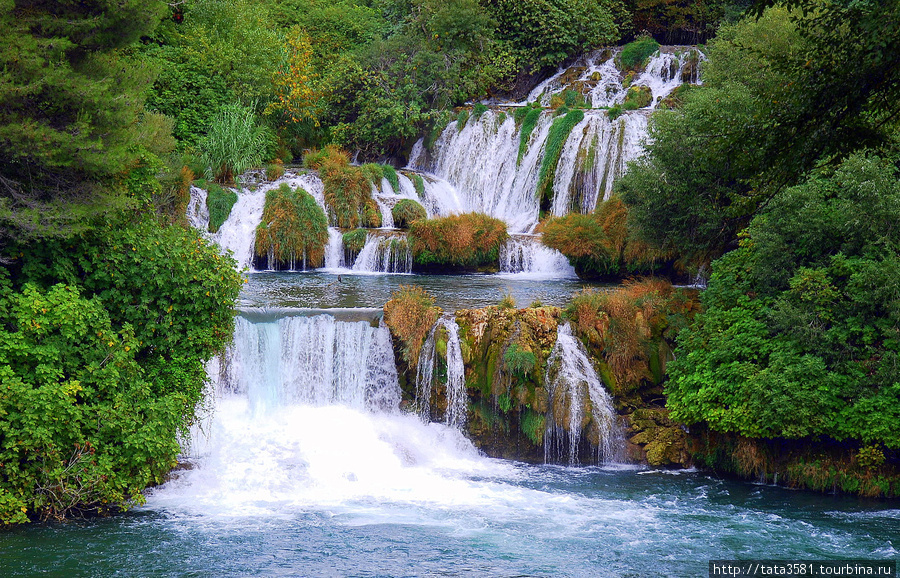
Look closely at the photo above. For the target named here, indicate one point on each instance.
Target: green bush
(529, 119)
(407, 211)
(638, 97)
(103, 340)
(419, 184)
(462, 118)
(348, 189)
(355, 240)
(390, 173)
(293, 229)
(634, 55)
(615, 111)
(219, 201)
(478, 110)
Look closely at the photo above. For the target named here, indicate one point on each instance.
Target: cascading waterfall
(384, 254)
(314, 361)
(334, 250)
(457, 398)
(573, 385)
(526, 255)
(481, 159)
(197, 210)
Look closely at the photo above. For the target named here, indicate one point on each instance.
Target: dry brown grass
(293, 227)
(347, 188)
(410, 314)
(471, 239)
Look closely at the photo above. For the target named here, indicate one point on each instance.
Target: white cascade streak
(570, 377)
(526, 256)
(384, 254)
(429, 357)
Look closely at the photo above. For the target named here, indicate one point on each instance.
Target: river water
(310, 470)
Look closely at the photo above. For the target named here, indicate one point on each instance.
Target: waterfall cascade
(577, 398)
(430, 367)
(495, 172)
(310, 360)
(384, 254)
(524, 254)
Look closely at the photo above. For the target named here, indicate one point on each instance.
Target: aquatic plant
(529, 121)
(559, 132)
(293, 229)
(462, 118)
(468, 240)
(410, 314)
(419, 184)
(219, 201)
(634, 55)
(407, 211)
(347, 189)
(478, 110)
(390, 173)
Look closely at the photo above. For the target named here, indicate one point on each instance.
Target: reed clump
(293, 229)
(347, 188)
(468, 240)
(219, 201)
(406, 212)
(410, 314)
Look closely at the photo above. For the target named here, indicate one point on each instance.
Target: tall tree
(70, 106)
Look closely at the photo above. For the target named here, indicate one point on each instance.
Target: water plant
(219, 201)
(419, 184)
(347, 189)
(529, 119)
(634, 55)
(410, 314)
(559, 132)
(478, 110)
(462, 118)
(390, 173)
(406, 212)
(293, 229)
(467, 240)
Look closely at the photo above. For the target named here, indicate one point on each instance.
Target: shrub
(478, 110)
(638, 97)
(468, 240)
(355, 240)
(234, 143)
(406, 212)
(347, 189)
(219, 201)
(601, 244)
(293, 228)
(462, 118)
(614, 112)
(411, 314)
(634, 55)
(390, 173)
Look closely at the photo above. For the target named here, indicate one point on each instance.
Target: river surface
(306, 476)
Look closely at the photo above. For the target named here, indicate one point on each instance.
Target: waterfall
(481, 159)
(334, 251)
(238, 233)
(384, 254)
(316, 361)
(197, 211)
(572, 385)
(456, 395)
(526, 255)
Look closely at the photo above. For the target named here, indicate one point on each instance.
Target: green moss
(574, 99)
(533, 425)
(559, 132)
(614, 112)
(519, 361)
(634, 55)
(638, 97)
(529, 122)
(219, 201)
(419, 184)
(462, 118)
(479, 110)
(406, 212)
(390, 173)
(437, 127)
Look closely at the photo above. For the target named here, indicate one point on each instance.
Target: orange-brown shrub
(293, 228)
(468, 240)
(410, 314)
(347, 188)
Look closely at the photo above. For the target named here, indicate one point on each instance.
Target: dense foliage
(293, 230)
(801, 334)
(348, 188)
(411, 313)
(102, 350)
(468, 240)
(406, 212)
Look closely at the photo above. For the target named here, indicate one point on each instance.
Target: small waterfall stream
(430, 367)
(384, 254)
(577, 398)
(526, 255)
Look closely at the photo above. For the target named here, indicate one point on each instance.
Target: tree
(69, 108)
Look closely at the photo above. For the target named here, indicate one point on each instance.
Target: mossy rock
(638, 97)
(407, 211)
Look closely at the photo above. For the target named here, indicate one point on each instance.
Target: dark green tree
(69, 108)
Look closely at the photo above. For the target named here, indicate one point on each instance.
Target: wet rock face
(655, 439)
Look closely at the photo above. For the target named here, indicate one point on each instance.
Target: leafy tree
(801, 333)
(69, 108)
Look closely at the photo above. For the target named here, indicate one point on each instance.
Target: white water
(197, 209)
(334, 250)
(570, 377)
(525, 255)
(384, 254)
(238, 233)
(429, 358)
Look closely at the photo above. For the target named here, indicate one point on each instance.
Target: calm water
(285, 488)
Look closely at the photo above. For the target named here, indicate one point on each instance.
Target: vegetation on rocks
(219, 201)
(406, 212)
(410, 314)
(469, 240)
(348, 189)
(293, 230)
